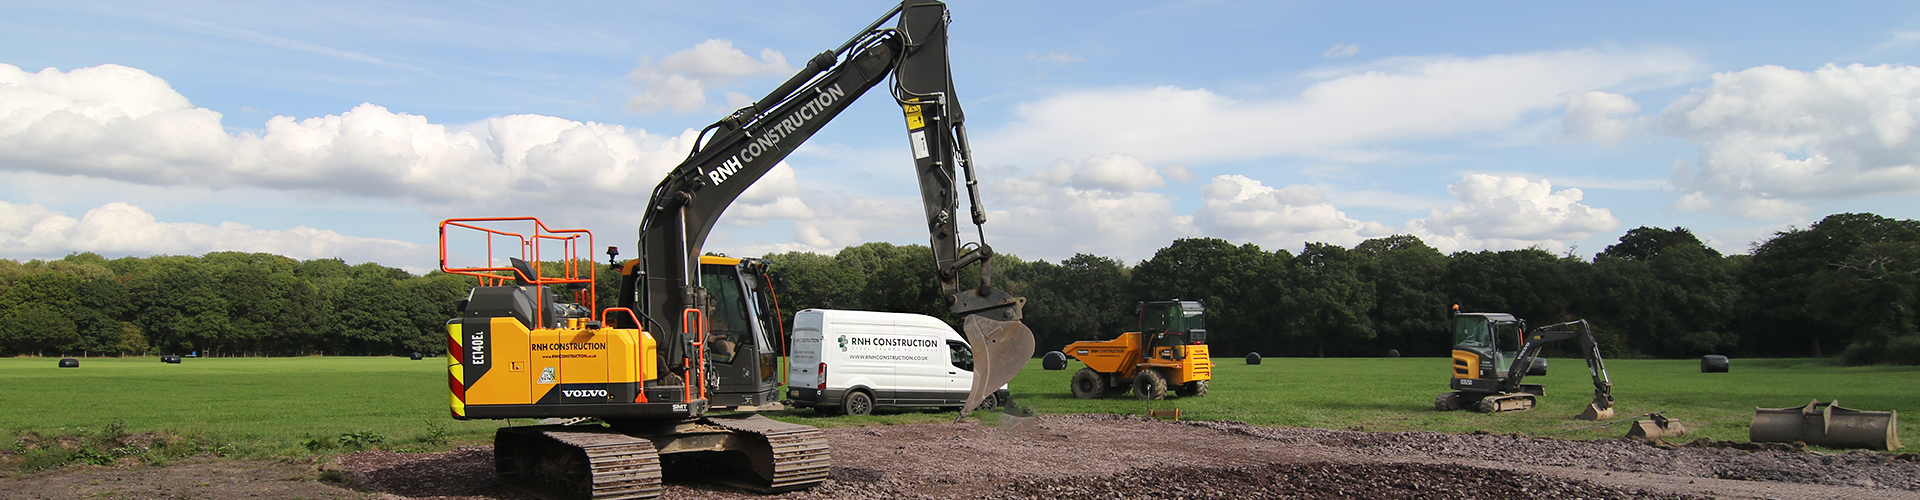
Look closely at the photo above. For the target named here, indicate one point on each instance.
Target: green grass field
(267, 405)
(273, 405)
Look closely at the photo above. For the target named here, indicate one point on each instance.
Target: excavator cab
(1167, 325)
(743, 332)
(1477, 343)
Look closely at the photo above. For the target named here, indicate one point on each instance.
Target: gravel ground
(1101, 456)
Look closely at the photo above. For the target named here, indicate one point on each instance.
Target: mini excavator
(1487, 379)
(633, 389)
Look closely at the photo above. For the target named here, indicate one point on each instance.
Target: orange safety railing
(607, 319)
(529, 246)
(696, 324)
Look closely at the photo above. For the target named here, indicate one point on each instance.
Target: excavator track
(796, 456)
(576, 463)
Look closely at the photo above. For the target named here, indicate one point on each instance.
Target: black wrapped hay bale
(1054, 360)
(1253, 358)
(1393, 353)
(417, 356)
(69, 363)
(1713, 363)
(1538, 368)
(170, 359)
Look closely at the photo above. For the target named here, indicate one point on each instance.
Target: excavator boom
(737, 150)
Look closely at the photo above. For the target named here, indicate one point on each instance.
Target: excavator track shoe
(795, 457)
(576, 463)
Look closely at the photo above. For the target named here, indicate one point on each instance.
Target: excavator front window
(1472, 331)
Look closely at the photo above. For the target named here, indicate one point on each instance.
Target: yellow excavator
(635, 388)
(1488, 379)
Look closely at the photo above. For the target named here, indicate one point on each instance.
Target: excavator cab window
(729, 329)
(1507, 329)
(1472, 332)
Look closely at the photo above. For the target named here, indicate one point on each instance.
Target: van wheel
(1088, 384)
(857, 403)
(988, 403)
(1149, 385)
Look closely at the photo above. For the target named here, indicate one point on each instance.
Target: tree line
(222, 303)
(1844, 287)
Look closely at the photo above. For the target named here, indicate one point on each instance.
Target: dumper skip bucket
(1826, 424)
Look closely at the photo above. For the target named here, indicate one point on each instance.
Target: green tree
(1244, 288)
(1665, 294)
(1870, 297)
(1781, 313)
(1409, 312)
(1333, 300)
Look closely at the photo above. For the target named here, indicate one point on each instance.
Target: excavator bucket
(1657, 428)
(1001, 350)
(1595, 413)
(1826, 424)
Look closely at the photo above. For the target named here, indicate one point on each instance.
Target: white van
(854, 361)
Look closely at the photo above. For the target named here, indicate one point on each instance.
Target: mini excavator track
(582, 462)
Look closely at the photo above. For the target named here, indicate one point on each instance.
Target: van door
(959, 373)
(804, 364)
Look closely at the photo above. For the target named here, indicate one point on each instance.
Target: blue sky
(350, 129)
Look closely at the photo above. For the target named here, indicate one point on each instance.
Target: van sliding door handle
(953, 373)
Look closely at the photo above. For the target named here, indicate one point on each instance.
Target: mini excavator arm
(1602, 404)
(733, 153)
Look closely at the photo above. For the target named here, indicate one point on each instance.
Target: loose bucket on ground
(1826, 424)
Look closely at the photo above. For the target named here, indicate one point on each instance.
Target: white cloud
(680, 80)
(120, 123)
(1239, 208)
(1341, 50)
(1397, 98)
(33, 231)
(1179, 173)
(1055, 57)
(1771, 138)
(1498, 213)
(1116, 172)
(774, 196)
(1595, 116)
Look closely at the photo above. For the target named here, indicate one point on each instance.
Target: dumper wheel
(1088, 384)
(1195, 388)
(1149, 384)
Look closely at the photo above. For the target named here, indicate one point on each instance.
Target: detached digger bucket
(1827, 424)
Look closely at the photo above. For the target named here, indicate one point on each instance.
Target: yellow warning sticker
(914, 121)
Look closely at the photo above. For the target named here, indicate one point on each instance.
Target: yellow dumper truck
(1169, 350)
